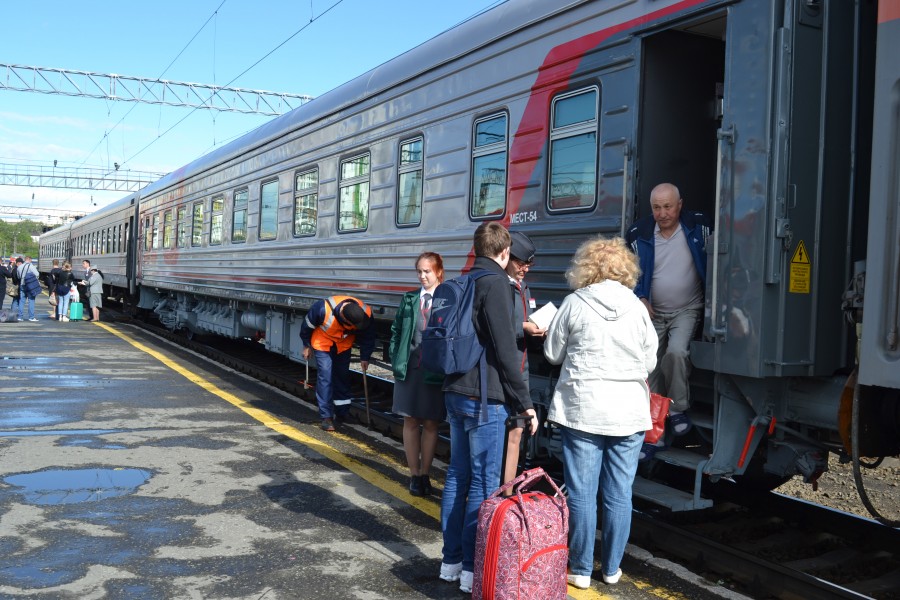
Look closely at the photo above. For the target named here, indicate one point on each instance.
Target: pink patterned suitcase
(521, 548)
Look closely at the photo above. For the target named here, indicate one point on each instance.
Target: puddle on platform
(71, 486)
(92, 443)
(29, 418)
(25, 433)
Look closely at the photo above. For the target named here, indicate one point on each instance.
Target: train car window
(409, 182)
(156, 232)
(239, 216)
(197, 225)
(354, 193)
(216, 220)
(573, 151)
(306, 198)
(168, 230)
(181, 227)
(268, 210)
(488, 193)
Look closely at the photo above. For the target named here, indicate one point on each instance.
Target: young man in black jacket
(476, 439)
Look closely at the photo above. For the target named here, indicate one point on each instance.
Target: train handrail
(626, 154)
(715, 329)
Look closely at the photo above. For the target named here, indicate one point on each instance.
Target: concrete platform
(132, 469)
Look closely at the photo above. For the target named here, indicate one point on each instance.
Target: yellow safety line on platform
(369, 474)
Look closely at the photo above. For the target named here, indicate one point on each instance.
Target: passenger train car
(557, 118)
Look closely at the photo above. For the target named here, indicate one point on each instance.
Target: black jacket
(494, 323)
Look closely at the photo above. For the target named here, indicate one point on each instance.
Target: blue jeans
(474, 473)
(610, 461)
(25, 300)
(332, 383)
(62, 305)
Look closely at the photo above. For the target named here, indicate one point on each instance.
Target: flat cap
(522, 247)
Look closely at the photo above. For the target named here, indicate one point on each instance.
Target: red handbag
(659, 408)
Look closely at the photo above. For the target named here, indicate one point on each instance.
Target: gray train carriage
(558, 119)
(105, 237)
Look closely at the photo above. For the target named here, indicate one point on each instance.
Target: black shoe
(427, 490)
(415, 485)
(327, 425)
(347, 419)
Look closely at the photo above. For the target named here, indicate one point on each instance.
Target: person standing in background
(418, 397)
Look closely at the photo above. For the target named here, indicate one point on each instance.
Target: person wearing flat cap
(521, 258)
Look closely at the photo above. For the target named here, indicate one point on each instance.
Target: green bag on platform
(76, 310)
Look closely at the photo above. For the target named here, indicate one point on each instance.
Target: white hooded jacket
(606, 343)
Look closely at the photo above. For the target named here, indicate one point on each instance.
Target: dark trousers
(333, 383)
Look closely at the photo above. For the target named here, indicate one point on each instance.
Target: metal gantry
(85, 84)
(84, 178)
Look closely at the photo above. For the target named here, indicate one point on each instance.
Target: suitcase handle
(523, 480)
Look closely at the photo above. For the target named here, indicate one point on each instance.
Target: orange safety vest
(331, 331)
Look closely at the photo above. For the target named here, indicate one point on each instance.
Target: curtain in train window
(306, 197)
(573, 151)
(167, 229)
(354, 194)
(216, 220)
(197, 225)
(409, 183)
(181, 238)
(148, 236)
(268, 210)
(239, 216)
(488, 197)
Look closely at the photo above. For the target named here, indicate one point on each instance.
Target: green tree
(15, 238)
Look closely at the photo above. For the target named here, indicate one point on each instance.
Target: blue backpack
(449, 343)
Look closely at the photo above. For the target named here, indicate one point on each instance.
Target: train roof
(480, 30)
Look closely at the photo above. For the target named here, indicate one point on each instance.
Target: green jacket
(401, 337)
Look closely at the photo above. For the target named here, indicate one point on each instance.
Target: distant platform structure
(85, 84)
(83, 178)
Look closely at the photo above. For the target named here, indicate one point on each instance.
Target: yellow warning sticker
(801, 271)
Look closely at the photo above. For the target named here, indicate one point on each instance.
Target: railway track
(763, 545)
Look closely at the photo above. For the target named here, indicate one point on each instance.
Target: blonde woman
(606, 343)
(64, 281)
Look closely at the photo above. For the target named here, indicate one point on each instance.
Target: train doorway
(682, 77)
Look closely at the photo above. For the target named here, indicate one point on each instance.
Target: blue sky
(345, 39)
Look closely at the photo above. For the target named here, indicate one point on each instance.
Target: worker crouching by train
(330, 328)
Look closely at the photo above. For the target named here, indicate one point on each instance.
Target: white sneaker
(465, 581)
(614, 578)
(450, 572)
(33, 320)
(582, 582)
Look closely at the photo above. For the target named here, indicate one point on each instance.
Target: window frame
(355, 180)
(197, 236)
(405, 169)
(556, 134)
(485, 150)
(307, 192)
(259, 227)
(215, 215)
(235, 209)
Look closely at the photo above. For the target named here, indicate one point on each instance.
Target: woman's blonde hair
(600, 259)
(67, 266)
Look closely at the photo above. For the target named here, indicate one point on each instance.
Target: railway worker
(417, 393)
(606, 343)
(83, 290)
(521, 258)
(671, 250)
(476, 439)
(94, 285)
(329, 330)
